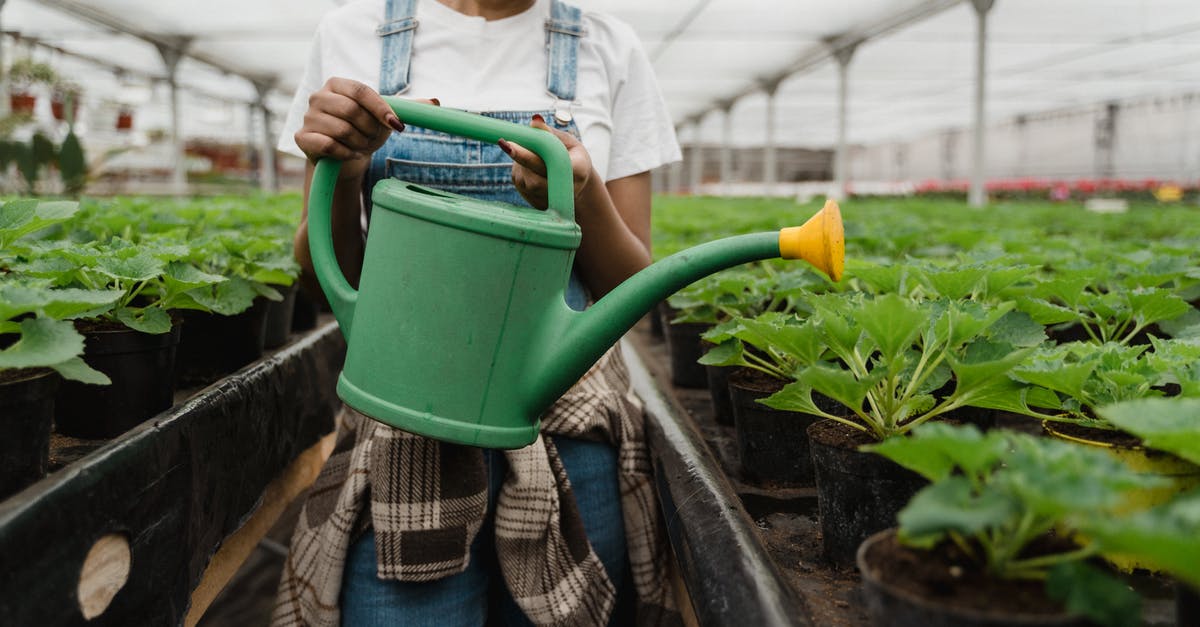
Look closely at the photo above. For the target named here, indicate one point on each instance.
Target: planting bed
(143, 514)
(793, 584)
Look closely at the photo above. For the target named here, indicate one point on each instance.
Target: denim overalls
(467, 166)
(483, 170)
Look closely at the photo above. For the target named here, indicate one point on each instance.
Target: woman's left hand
(529, 171)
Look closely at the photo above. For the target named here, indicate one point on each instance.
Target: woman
(400, 529)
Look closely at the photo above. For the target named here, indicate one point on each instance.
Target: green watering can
(459, 329)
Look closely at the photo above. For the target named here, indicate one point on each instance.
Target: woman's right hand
(348, 121)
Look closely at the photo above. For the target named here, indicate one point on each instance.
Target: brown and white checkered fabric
(427, 499)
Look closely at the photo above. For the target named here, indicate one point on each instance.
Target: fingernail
(505, 146)
(538, 118)
(395, 123)
(436, 101)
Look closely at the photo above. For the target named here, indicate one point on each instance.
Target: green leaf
(935, 450)
(840, 385)
(893, 322)
(1164, 536)
(44, 342)
(727, 353)
(1151, 305)
(1088, 591)
(795, 397)
(1018, 329)
(151, 320)
(57, 303)
(951, 505)
(75, 369)
(142, 266)
(1165, 424)
(227, 298)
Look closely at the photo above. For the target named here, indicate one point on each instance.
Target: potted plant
(1086, 376)
(135, 339)
(893, 363)
(23, 75)
(64, 98)
(768, 351)
(38, 345)
(1003, 534)
(124, 118)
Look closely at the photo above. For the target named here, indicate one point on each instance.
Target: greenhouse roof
(913, 73)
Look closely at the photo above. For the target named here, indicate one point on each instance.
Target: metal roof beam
(830, 47)
(166, 44)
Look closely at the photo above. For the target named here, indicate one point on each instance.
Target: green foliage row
(134, 262)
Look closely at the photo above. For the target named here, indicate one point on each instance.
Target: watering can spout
(588, 334)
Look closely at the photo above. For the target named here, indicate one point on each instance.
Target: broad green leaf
(795, 397)
(1164, 536)
(1165, 424)
(226, 298)
(1018, 329)
(75, 369)
(935, 450)
(44, 342)
(840, 385)
(151, 320)
(893, 322)
(951, 505)
(1087, 591)
(727, 353)
(1151, 305)
(140, 267)
(56, 303)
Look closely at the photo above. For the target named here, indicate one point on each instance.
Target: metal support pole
(726, 147)
(675, 171)
(978, 195)
(770, 154)
(268, 179)
(696, 171)
(843, 56)
(171, 55)
(1106, 142)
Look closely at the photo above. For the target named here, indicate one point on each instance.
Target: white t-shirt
(501, 65)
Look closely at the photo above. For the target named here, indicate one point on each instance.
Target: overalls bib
(467, 166)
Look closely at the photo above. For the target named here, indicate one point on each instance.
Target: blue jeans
(479, 594)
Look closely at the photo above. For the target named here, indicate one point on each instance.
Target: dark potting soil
(19, 374)
(837, 435)
(756, 380)
(945, 575)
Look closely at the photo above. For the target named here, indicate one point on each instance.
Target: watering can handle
(560, 182)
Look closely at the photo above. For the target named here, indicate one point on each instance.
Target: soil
(20, 374)
(758, 381)
(945, 575)
(838, 435)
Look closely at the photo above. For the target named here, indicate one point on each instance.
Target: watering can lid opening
(496, 219)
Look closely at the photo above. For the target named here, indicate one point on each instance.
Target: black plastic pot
(304, 317)
(858, 494)
(1187, 605)
(213, 346)
(26, 415)
(772, 443)
(141, 367)
(279, 318)
(890, 606)
(718, 389)
(683, 346)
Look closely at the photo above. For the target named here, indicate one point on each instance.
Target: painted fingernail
(538, 118)
(395, 123)
(506, 147)
(435, 101)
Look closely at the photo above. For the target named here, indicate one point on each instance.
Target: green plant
(995, 495)
(1083, 376)
(25, 73)
(31, 157)
(888, 358)
(1165, 424)
(1108, 311)
(152, 278)
(36, 319)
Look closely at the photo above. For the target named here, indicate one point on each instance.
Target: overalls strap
(563, 30)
